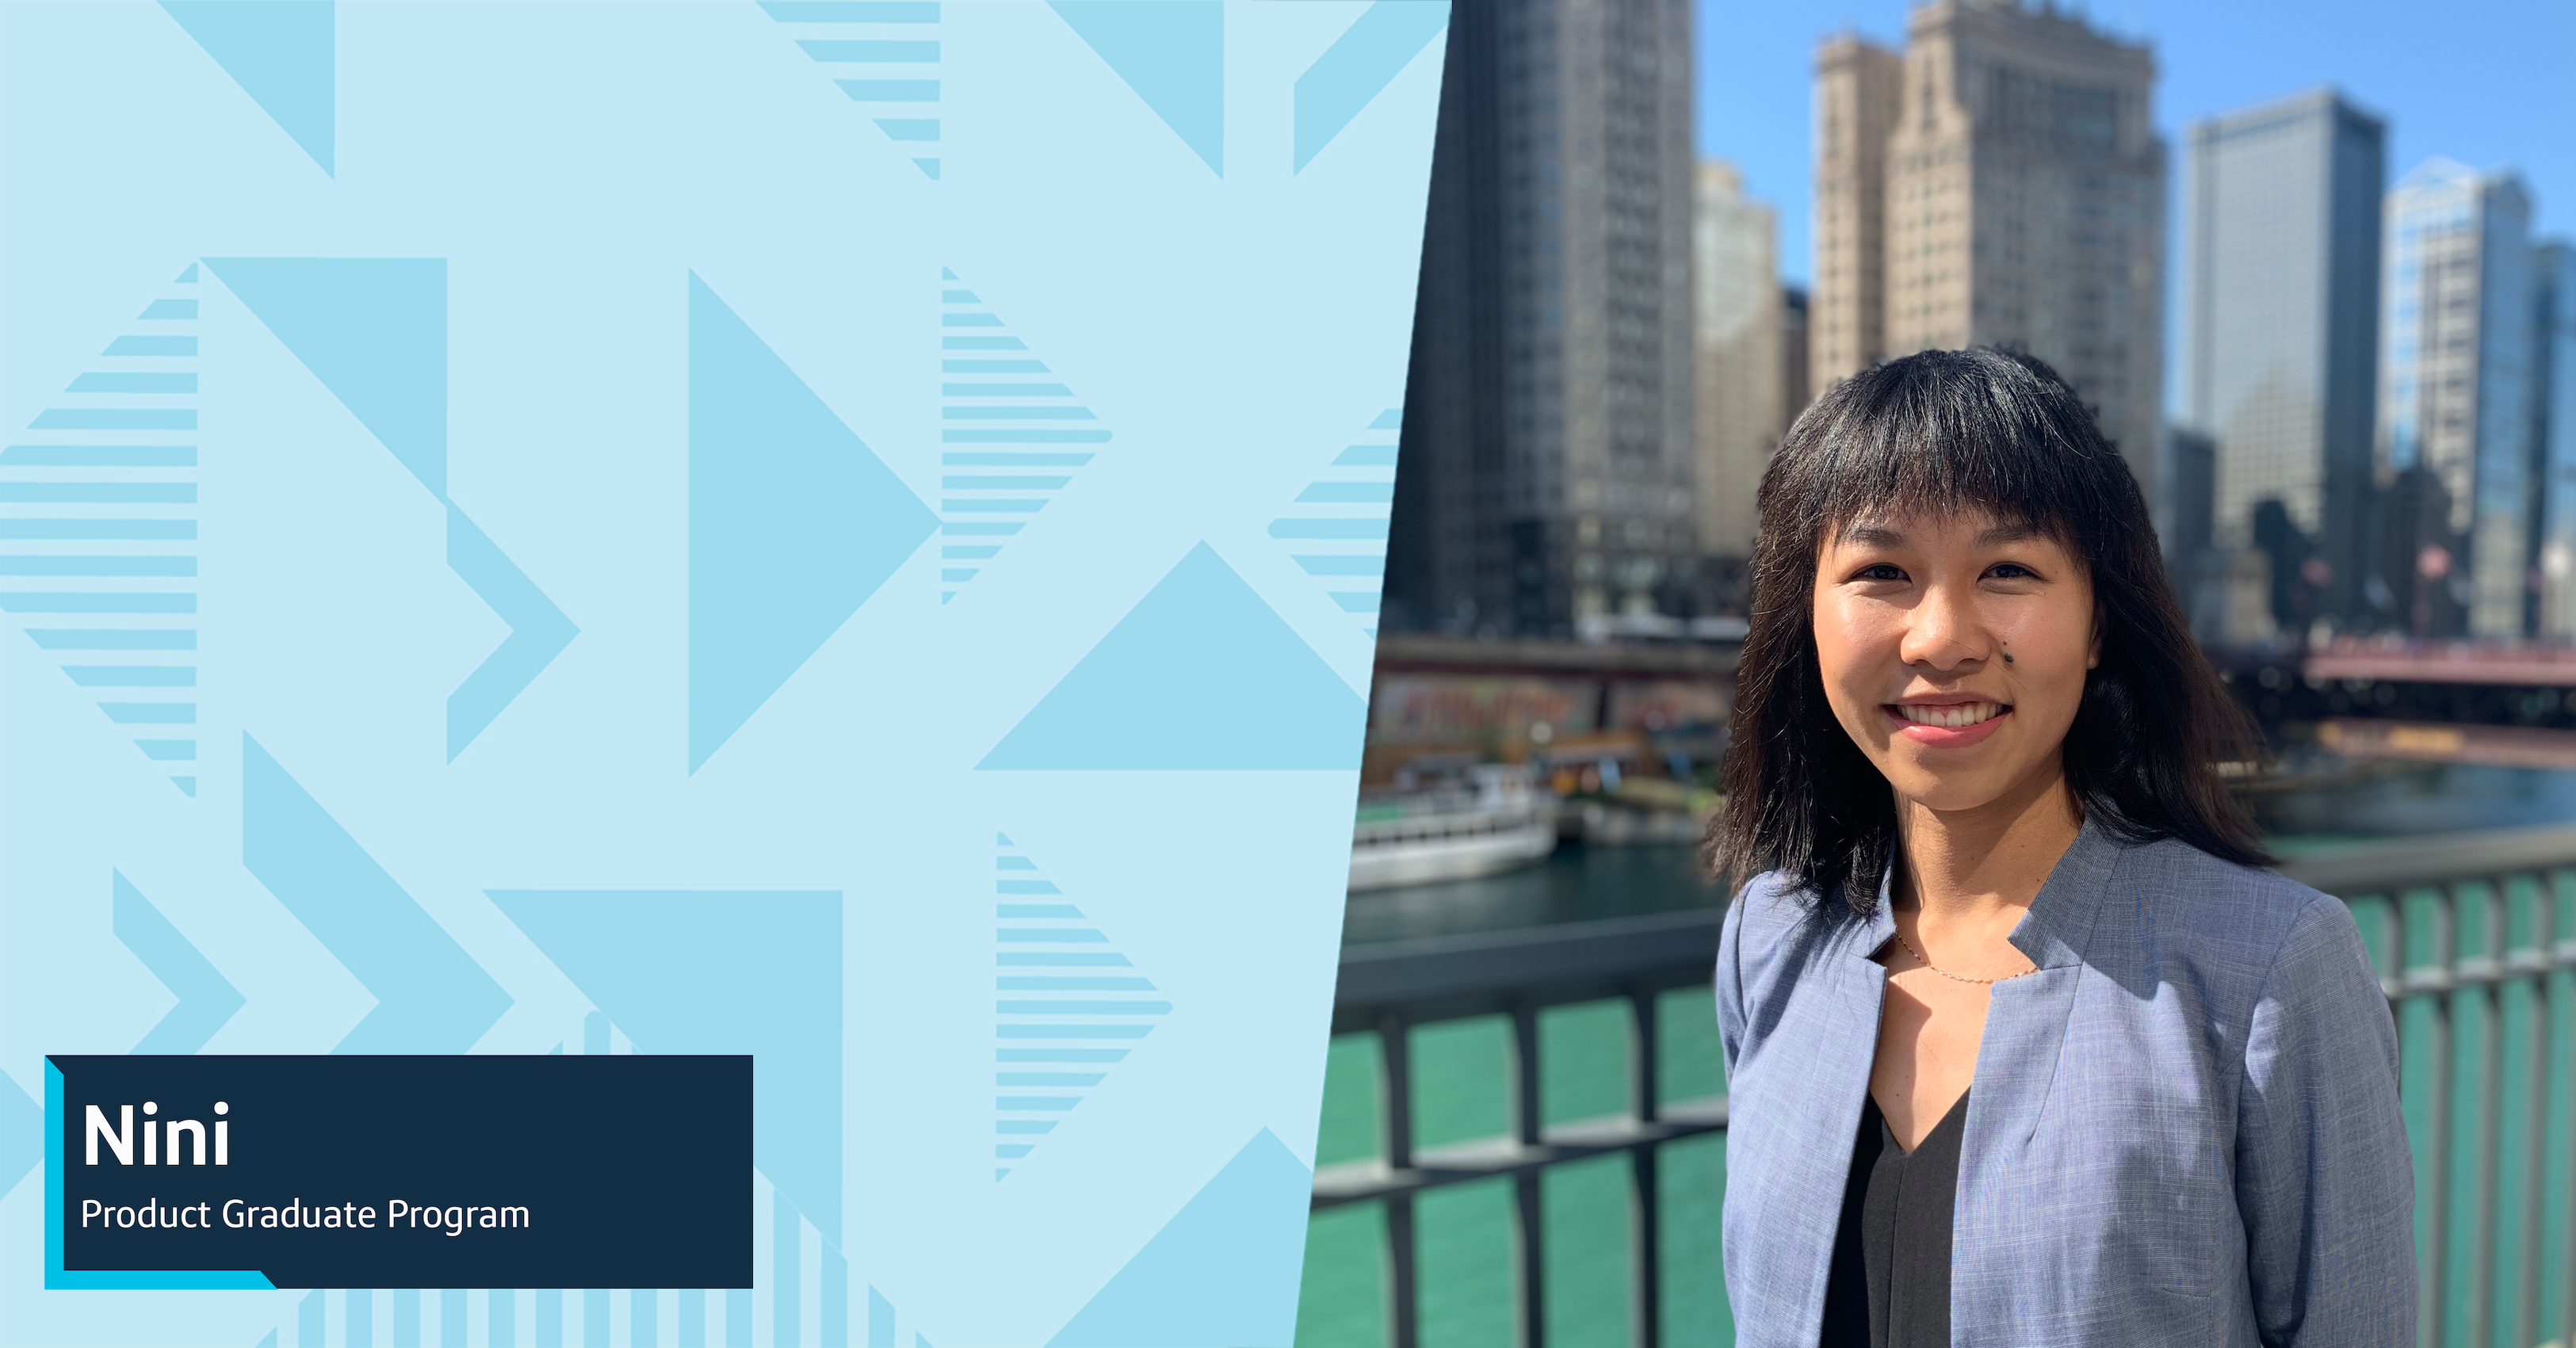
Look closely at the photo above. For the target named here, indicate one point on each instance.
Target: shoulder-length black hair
(1943, 432)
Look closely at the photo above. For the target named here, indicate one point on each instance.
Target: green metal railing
(1524, 1143)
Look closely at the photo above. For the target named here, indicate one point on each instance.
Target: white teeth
(1951, 718)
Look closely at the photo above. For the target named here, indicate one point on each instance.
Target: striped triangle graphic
(1336, 528)
(885, 56)
(1010, 435)
(1068, 1007)
(98, 530)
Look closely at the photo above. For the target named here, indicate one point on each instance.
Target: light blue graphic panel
(810, 528)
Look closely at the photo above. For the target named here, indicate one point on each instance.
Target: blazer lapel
(1829, 1106)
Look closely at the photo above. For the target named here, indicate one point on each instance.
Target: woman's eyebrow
(1998, 535)
(1874, 536)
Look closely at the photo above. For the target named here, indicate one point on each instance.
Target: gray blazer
(2184, 1127)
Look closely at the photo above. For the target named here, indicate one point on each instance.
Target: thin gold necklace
(1959, 978)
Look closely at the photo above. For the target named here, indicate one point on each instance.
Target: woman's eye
(2011, 571)
(1880, 571)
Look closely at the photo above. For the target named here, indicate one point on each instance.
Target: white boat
(1496, 822)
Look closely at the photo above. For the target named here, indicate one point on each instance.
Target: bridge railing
(2474, 936)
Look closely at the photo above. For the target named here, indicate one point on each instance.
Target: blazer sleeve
(2324, 1180)
(1730, 980)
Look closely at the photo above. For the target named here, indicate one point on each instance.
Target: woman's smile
(1947, 724)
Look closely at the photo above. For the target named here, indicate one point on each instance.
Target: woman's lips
(1947, 727)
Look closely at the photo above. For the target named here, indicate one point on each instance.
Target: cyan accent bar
(1073, 1031)
(1023, 437)
(30, 601)
(909, 128)
(1053, 935)
(1049, 1078)
(151, 713)
(98, 528)
(1036, 910)
(958, 297)
(146, 493)
(169, 751)
(1061, 412)
(1326, 528)
(1017, 1127)
(1017, 1008)
(975, 528)
(992, 505)
(114, 419)
(1058, 1054)
(151, 346)
(1036, 1102)
(1342, 564)
(971, 482)
(98, 566)
(133, 676)
(993, 367)
(1351, 493)
(968, 551)
(103, 381)
(1366, 456)
(114, 638)
(969, 321)
(1066, 959)
(1356, 601)
(99, 456)
(1070, 983)
(1025, 887)
(1005, 390)
(852, 11)
(178, 309)
(1003, 458)
(890, 91)
(870, 50)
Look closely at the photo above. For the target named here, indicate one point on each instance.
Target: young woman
(2024, 1046)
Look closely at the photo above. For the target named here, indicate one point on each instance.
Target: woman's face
(1954, 651)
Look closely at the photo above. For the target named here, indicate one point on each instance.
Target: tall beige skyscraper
(1736, 265)
(2000, 183)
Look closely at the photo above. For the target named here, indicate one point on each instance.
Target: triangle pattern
(884, 56)
(100, 562)
(721, 971)
(793, 522)
(373, 330)
(1068, 1007)
(1172, 53)
(1009, 437)
(1336, 529)
(281, 53)
(1224, 1269)
(1357, 68)
(206, 998)
(1197, 649)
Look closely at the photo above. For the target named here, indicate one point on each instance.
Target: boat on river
(1494, 819)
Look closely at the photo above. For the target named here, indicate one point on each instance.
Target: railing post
(1395, 1108)
(1527, 1189)
(1646, 1214)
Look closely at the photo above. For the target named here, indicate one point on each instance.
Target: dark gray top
(1890, 1283)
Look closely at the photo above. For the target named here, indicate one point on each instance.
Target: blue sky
(2483, 81)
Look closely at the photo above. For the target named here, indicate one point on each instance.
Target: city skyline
(2446, 90)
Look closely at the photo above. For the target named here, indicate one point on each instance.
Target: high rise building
(2280, 318)
(1545, 480)
(2455, 380)
(1796, 390)
(1740, 383)
(2553, 434)
(2001, 183)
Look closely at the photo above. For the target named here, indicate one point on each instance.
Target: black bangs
(1945, 433)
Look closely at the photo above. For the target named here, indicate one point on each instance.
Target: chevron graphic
(1070, 1008)
(431, 997)
(885, 56)
(206, 998)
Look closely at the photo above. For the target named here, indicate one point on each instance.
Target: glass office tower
(2455, 383)
(2280, 313)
